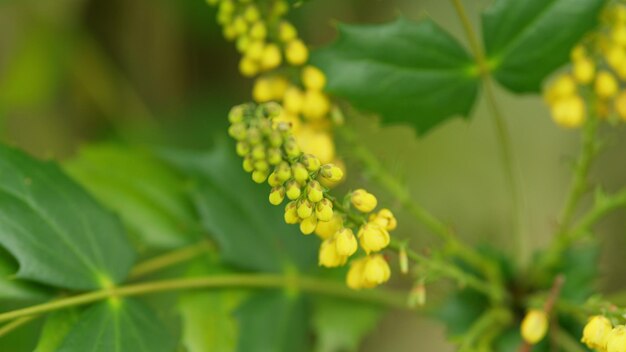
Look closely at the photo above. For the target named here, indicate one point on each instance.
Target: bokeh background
(158, 72)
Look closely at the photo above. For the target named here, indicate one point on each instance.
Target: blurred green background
(158, 72)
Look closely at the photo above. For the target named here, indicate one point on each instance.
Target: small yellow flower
(569, 112)
(314, 191)
(385, 219)
(354, 279)
(373, 237)
(331, 172)
(258, 31)
(262, 90)
(346, 242)
(316, 142)
(534, 326)
(584, 70)
(259, 176)
(362, 200)
(305, 209)
(562, 87)
(291, 213)
(251, 14)
(315, 105)
(311, 162)
(313, 78)
(606, 85)
(286, 31)
(308, 225)
(300, 173)
(277, 195)
(293, 190)
(616, 341)
(324, 210)
(328, 256)
(271, 57)
(248, 67)
(596, 332)
(293, 100)
(296, 52)
(255, 50)
(368, 272)
(326, 229)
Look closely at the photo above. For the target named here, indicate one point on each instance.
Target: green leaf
(118, 325)
(57, 232)
(55, 329)
(405, 71)
(527, 40)
(146, 193)
(250, 232)
(15, 290)
(340, 325)
(273, 321)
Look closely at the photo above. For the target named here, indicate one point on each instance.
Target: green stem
(261, 281)
(170, 259)
(15, 324)
(502, 133)
(602, 206)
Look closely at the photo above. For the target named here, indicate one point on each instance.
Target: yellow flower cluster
(271, 153)
(272, 51)
(597, 72)
(600, 335)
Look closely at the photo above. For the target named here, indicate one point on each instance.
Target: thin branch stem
(261, 281)
(170, 259)
(15, 324)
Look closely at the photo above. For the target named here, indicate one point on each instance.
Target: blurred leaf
(405, 71)
(274, 321)
(527, 40)
(234, 210)
(579, 265)
(118, 325)
(12, 289)
(57, 232)
(461, 309)
(340, 325)
(58, 324)
(145, 192)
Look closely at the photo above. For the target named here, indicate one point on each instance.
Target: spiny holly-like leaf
(234, 210)
(273, 321)
(57, 232)
(118, 325)
(527, 40)
(340, 325)
(405, 71)
(146, 193)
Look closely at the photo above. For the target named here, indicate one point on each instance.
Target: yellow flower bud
(305, 209)
(355, 277)
(254, 136)
(255, 50)
(615, 56)
(616, 340)
(262, 90)
(584, 70)
(242, 44)
(271, 57)
(324, 210)
(248, 163)
(283, 171)
(618, 34)
(563, 86)
(620, 105)
(273, 180)
(534, 326)
(308, 225)
(296, 52)
(373, 237)
(277, 195)
(315, 105)
(578, 53)
(243, 148)
(280, 8)
(363, 201)
(279, 87)
(376, 270)
(328, 256)
(326, 229)
(345, 242)
(258, 31)
(300, 173)
(331, 172)
(251, 14)
(286, 31)
(236, 114)
(292, 148)
(596, 332)
(274, 156)
(261, 165)
(606, 85)
(315, 193)
(238, 131)
(318, 143)
(293, 100)
(230, 32)
(311, 162)
(293, 190)
(258, 152)
(259, 176)
(313, 78)
(248, 67)
(385, 219)
(291, 213)
(569, 112)
(240, 25)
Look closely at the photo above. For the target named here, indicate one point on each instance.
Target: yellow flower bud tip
(596, 332)
(240, 25)
(311, 162)
(324, 210)
(261, 165)
(534, 326)
(331, 172)
(315, 193)
(328, 256)
(293, 100)
(258, 31)
(606, 85)
(355, 279)
(313, 78)
(305, 209)
(386, 219)
(248, 67)
(273, 180)
(271, 57)
(296, 52)
(308, 225)
(255, 50)
(569, 112)
(262, 90)
(563, 86)
(275, 139)
(236, 114)
(620, 105)
(291, 148)
(277, 195)
(259, 176)
(373, 237)
(258, 152)
(300, 173)
(293, 190)
(326, 229)
(363, 201)
(616, 340)
(243, 148)
(376, 270)
(584, 70)
(283, 171)
(248, 164)
(291, 213)
(286, 31)
(251, 14)
(315, 105)
(345, 242)
(238, 131)
(274, 156)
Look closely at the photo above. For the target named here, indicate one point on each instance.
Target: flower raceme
(593, 85)
(271, 153)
